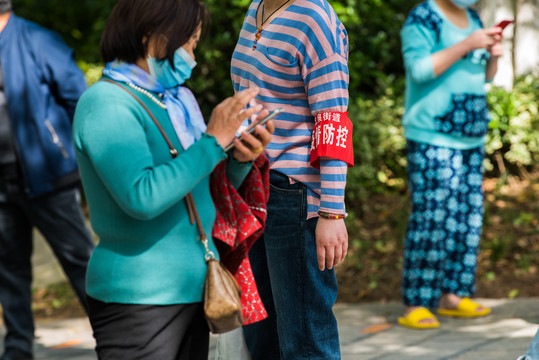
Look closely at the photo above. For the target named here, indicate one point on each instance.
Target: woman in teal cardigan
(145, 278)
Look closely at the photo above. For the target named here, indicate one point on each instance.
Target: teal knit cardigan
(148, 252)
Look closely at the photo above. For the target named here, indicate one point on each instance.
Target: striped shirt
(300, 64)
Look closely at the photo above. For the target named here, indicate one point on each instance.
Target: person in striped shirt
(296, 52)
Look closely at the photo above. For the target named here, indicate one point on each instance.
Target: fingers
(331, 243)
(242, 98)
(264, 133)
(330, 257)
(252, 141)
(489, 41)
(261, 115)
(270, 127)
(494, 31)
(247, 113)
(241, 152)
(344, 249)
(321, 255)
(339, 252)
(235, 106)
(338, 255)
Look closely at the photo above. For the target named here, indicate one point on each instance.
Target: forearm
(444, 59)
(492, 68)
(144, 191)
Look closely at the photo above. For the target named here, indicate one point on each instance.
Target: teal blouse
(448, 110)
(148, 252)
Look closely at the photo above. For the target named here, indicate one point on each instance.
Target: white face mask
(463, 4)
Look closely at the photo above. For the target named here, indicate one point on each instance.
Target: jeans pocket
(286, 216)
(467, 116)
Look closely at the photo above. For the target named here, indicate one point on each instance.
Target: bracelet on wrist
(326, 215)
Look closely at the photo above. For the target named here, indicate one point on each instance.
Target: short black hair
(132, 22)
(5, 6)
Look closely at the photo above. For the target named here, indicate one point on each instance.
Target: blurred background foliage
(376, 187)
(376, 83)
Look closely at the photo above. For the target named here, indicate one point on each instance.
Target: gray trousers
(231, 346)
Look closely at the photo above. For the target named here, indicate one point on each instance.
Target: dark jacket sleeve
(58, 68)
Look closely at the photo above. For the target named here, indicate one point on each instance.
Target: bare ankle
(449, 301)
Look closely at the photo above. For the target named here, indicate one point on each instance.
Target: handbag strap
(190, 202)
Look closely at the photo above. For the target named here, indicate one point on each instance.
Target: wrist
(331, 216)
(238, 158)
(465, 47)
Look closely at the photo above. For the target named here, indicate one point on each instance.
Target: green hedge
(379, 145)
(376, 82)
(512, 143)
(373, 27)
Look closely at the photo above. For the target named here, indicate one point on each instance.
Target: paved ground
(367, 331)
(503, 335)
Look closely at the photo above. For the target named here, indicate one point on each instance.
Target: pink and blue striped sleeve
(326, 82)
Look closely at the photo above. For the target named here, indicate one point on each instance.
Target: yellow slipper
(413, 320)
(465, 309)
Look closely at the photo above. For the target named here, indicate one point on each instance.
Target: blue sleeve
(59, 70)
(417, 44)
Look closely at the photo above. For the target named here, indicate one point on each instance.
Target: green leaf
(513, 294)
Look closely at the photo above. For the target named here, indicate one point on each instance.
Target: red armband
(332, 138)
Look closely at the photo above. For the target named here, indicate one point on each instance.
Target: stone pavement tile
(65, 339)
(391, 341)
(65, 354)
(364, 335)
(503, 335)
(507, 346)
(500, 349)
(45, 268)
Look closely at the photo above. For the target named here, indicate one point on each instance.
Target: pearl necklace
(148, 94)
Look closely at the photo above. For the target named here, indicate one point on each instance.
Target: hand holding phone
(503, 24)
(251, 128)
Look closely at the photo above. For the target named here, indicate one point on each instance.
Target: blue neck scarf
(182, 107)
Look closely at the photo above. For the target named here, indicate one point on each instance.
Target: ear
(156, 46)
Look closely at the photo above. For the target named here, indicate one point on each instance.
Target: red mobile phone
(503, 24)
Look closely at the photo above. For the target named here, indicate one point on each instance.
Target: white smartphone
(251, 128)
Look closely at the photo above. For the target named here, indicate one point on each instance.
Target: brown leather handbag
(222, 299)
(222, 294)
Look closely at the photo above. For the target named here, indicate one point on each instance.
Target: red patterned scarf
(241, 217)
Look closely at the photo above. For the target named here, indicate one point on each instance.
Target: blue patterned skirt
(444, 228)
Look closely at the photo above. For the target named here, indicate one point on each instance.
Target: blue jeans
(533, 349)
(298, 296)
(59, 218)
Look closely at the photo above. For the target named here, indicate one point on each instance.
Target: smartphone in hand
(503, 24)
(251, 128)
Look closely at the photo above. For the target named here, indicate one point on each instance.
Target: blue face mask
(165, 75)
(463, 4)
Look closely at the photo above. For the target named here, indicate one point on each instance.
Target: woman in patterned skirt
(448, 57)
